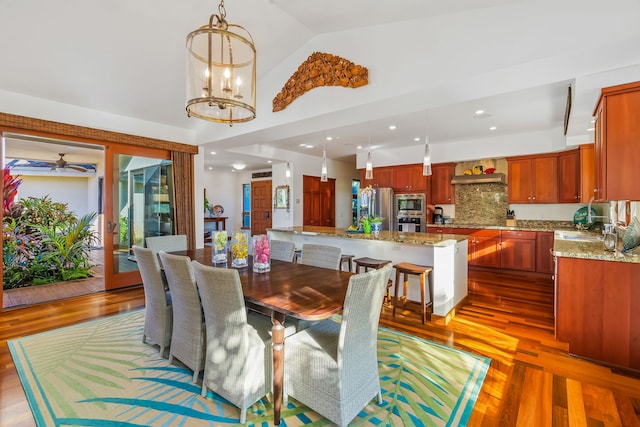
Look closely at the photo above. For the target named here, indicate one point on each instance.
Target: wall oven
(410, 212)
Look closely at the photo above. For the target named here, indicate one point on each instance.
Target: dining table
(288, 290)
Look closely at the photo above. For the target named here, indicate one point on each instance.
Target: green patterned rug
(100, 373)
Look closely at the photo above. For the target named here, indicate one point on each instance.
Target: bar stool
(368, 263)
(348, 259)
(424, 272)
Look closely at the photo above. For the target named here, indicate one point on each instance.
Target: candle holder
(239, 250)
(219, 240)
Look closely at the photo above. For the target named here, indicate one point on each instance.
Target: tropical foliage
(44, 242)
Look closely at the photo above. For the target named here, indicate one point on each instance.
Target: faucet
(589, 216)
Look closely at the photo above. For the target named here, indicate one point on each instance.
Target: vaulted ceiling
(120, 65)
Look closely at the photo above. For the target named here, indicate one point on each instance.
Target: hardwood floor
(532, 380)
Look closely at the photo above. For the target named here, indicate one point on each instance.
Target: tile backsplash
(481, 204)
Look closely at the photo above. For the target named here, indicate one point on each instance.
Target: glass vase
(239, 250)
(261, 253)
(219, 240)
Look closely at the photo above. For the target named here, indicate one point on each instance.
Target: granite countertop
(420, 239)
(521, 225)
(588, 245)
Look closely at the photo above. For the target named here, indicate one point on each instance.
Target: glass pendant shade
(221, 72)
(368, 173)
(426, 165)
(287, 172)
(323, 171)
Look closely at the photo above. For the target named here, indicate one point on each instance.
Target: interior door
(261, 203)
(138, 200)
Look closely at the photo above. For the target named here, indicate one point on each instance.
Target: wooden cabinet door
(600, 152)
(485, 252)
(383, 177)
(519, 187)
(328, 203)
(442, 191)
(587, 172)
(569, 177)
(408, 178)
(544, 257)
(545, 180)
(518, 250)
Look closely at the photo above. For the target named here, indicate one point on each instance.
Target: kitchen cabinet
(382, 177)
(544, 258)
(597, 310)
(533, 179)
(617, 132)
(442, 191)
(587, 172)
(518, 250)
(569, 176)
(485, 248)
(409, 178)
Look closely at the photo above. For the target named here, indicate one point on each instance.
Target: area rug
(99, 373)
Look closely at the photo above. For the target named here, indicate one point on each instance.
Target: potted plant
(375, 223)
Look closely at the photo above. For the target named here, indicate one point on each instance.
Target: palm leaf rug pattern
(99, 373)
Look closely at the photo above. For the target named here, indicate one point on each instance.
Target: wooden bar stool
(368, 263)
(348, 259)
(424, 272)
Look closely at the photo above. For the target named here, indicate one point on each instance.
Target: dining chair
(332, 367)
(158, 315)
(238, 359)
(324, 256)
(282, 250)
(172, 243)
(187, 338)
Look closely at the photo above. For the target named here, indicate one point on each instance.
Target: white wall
(74, 191)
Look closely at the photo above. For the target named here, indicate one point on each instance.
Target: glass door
(139, 202)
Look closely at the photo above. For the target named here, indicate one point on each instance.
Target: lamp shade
(221, 72)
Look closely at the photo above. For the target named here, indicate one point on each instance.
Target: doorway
(261, 203)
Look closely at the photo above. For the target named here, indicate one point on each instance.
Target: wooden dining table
(289, 289)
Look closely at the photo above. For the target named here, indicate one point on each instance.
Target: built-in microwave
(410, 205)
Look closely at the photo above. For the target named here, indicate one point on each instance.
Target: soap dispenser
(610, 238)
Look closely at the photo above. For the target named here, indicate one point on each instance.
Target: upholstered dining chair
(187, 337)
(282, 250)
(324, 256)
(238, 354)
(158, 315)
(173, 243)
(333, 367)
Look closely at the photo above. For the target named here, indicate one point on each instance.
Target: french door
(139, 202)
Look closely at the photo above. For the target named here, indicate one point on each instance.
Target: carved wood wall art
(320, 69)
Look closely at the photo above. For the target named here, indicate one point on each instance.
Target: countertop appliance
(410, 212)
(438, 215)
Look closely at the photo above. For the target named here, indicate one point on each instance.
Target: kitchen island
(447, 253)
(597, 300)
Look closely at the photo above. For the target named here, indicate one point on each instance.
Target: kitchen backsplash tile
(481, 204)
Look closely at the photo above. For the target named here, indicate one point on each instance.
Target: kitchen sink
(578, 236)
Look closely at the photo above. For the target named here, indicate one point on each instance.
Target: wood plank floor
(532, 380)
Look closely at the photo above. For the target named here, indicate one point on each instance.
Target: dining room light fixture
(221, 72)
(426, 163)
(238, 166)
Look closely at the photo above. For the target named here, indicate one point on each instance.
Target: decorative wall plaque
(320, 69)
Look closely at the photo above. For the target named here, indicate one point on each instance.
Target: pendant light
(221, 72)
(426, 163)
(368, 173)
(323, 171)
(287, 172)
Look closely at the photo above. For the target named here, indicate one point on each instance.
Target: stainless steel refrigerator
(383, 206)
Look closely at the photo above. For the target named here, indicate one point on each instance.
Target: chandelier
(221, 72)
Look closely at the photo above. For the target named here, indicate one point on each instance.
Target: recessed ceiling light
(210, 168)
(592, 121)
(306, 145)
(302, 145)
(416, 139)
(213, 152)
(329, 138)
(392, 127)
(359, 147)
(479, 112)
(493, 128)
(591, 129)
(269, 161)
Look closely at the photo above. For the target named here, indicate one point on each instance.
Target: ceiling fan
(61, 163)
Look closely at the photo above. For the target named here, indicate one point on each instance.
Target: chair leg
(431, 296)
(195, 376)
(422, 305)
(405, 284)
(379, 397)
(203, 393)
(395, 293)
(243, 415)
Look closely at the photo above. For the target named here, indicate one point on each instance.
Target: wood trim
(18, 124)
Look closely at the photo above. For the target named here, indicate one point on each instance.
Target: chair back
(324, 256)
(152, 281)
(167, 243)
(361, 314)
(282, 250)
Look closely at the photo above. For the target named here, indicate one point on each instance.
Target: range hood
(487, 178)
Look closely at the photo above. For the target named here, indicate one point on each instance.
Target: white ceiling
(126, 58)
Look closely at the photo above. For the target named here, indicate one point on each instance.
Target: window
(246, 205)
